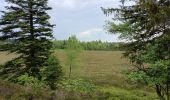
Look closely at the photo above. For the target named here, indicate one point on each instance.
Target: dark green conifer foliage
(146, 25)
(25, 25)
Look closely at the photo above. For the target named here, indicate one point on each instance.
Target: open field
(106, 69)
(102, 67)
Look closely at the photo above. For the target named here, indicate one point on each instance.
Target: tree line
(92, 45)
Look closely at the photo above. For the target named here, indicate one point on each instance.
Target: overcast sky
(82, 18)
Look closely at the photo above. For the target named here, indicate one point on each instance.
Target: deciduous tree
(73, 48)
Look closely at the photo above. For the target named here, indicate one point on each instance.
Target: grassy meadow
(102, 67)
(106, 69)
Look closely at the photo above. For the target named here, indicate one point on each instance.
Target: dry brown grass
(102, 67)
(5, 56)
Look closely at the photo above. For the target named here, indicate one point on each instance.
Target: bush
(52, 73)
(14, 71)
(30, 81)
(10, 91)
(78, 85)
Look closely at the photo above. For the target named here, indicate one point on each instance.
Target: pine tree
(146, 25)
(25, 25)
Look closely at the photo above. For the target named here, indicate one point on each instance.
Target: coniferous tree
(146, 25)
(26, 24)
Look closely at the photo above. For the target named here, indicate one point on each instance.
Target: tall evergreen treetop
(26, 24)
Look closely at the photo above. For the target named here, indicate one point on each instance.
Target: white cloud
(90, 32)
(63, 3)
(77, 4)
(82, 15)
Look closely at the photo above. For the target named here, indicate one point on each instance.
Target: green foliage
(139, 76)
(73, 48)
(59, 44)
(110, 84)
(102, 46)
(113, 93)
(52, 73)
(149, 40)
(26, 29)
(30, 81)
(78, 85)
(73, 43)
(93, 45)
(9, 91)
(12, 69)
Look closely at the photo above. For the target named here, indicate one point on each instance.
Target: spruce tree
(26, 28)
(146, 26)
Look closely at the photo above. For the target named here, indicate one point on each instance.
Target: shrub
(52, 73)
(14, 71)
(78, 85)
(31, 81)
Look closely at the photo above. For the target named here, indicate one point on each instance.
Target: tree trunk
(158, 91)
(33, 65)
(167, 92)
(31, 27)
(70, 71)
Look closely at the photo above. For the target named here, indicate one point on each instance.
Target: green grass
(106, 69)
(114, 93)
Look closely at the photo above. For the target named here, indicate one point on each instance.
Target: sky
(83, 18)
